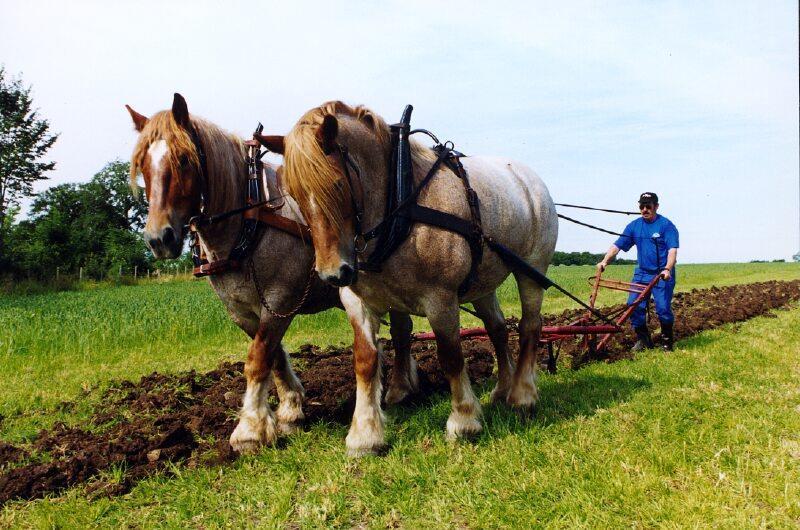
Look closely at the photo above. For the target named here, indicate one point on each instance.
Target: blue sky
(695, 101)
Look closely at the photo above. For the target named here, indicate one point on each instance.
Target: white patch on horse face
(157, 151)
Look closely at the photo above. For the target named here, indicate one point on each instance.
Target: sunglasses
(646, 206)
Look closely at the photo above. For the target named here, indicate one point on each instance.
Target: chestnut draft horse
(168, 160)
(424, 273)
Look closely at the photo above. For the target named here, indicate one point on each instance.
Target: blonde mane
(309, 172)
(224, 154)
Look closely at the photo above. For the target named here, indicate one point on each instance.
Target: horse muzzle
(345, 276)
(165, 243)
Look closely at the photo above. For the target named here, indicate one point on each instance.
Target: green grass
(707, 435)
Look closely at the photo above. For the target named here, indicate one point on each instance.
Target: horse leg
(524, 393)
(256, 420)
(403, 380)
(465, 416)
(488, 310)
(366, 430)
(290, 393)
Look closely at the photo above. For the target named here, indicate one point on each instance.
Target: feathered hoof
(460, 427)
(398, 394)
(251, 434)
(289, 427)
(499, 395)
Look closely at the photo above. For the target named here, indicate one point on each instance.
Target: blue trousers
(662, 296)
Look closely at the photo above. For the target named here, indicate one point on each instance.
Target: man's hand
(602, 266)
(665, 274)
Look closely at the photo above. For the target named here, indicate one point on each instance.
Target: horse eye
(183, 161)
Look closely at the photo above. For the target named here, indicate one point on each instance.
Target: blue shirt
(653, 241)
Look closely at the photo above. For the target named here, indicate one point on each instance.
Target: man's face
(648, 210)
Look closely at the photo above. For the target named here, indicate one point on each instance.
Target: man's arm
(612, 252)
(672, 257)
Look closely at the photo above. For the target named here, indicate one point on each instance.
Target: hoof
(290, 410)
(251, 434)
(287, 428)
(360, 452)
(499, 395)
(524, 412)
(461, 425)
(397, 394)
(365, 441)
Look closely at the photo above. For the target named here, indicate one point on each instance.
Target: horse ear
(274, 144)
(327, 132)
(139, 121)
(180, 111)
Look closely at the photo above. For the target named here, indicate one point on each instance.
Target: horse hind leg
(524, 393)
(290, 394)
(488, 310)
(404, 380)
(464, 420)
(257, 425)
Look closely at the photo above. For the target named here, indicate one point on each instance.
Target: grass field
(709, 435)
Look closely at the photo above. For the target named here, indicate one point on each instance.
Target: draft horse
(185, 160)
(334, 150)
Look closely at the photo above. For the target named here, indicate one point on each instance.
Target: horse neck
(226, 180)
(375, 180)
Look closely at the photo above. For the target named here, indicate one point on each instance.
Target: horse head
(334, 158)
(167, 158)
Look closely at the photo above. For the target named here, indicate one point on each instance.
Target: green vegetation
(706, 434)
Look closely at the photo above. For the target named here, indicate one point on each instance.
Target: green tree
(94, 225)
(24, 141)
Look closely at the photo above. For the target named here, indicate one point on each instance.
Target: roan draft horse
(338, 162)
(185, 162)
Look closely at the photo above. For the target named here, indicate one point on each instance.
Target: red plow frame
(587, 325)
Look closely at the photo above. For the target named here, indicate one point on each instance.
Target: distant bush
(583, 258)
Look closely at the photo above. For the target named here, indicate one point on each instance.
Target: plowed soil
(142, 427)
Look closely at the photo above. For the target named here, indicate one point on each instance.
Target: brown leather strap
(285, 224)
(215, 267)
(269, 218)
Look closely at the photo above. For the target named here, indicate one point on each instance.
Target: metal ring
(360, 243)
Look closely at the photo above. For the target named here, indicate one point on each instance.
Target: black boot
(667, 337)
(644, 342)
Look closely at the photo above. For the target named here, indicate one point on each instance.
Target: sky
(696, 101)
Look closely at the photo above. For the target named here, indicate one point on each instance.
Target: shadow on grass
(562, 398)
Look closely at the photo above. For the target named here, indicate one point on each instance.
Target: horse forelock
(224, 151)
(308, 170)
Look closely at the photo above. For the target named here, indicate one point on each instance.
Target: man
(656, 240)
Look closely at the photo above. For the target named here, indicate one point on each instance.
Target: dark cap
(648, 196)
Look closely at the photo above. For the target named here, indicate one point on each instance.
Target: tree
(24, 141)
(95, 225)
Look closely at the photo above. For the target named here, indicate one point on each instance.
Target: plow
(594, 328)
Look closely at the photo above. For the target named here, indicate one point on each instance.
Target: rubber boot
(667, 336)
(644, 342)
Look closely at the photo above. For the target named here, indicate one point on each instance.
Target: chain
(264, 301)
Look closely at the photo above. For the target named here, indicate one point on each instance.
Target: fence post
(135, 271)
(148, 274)
(120, 271)
(80, 274)
(58, 271)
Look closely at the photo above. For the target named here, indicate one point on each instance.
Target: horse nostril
(168, 236)
(152, 242)
(346, 274)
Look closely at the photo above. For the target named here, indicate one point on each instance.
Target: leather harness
(256, 213)
(402, 207)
